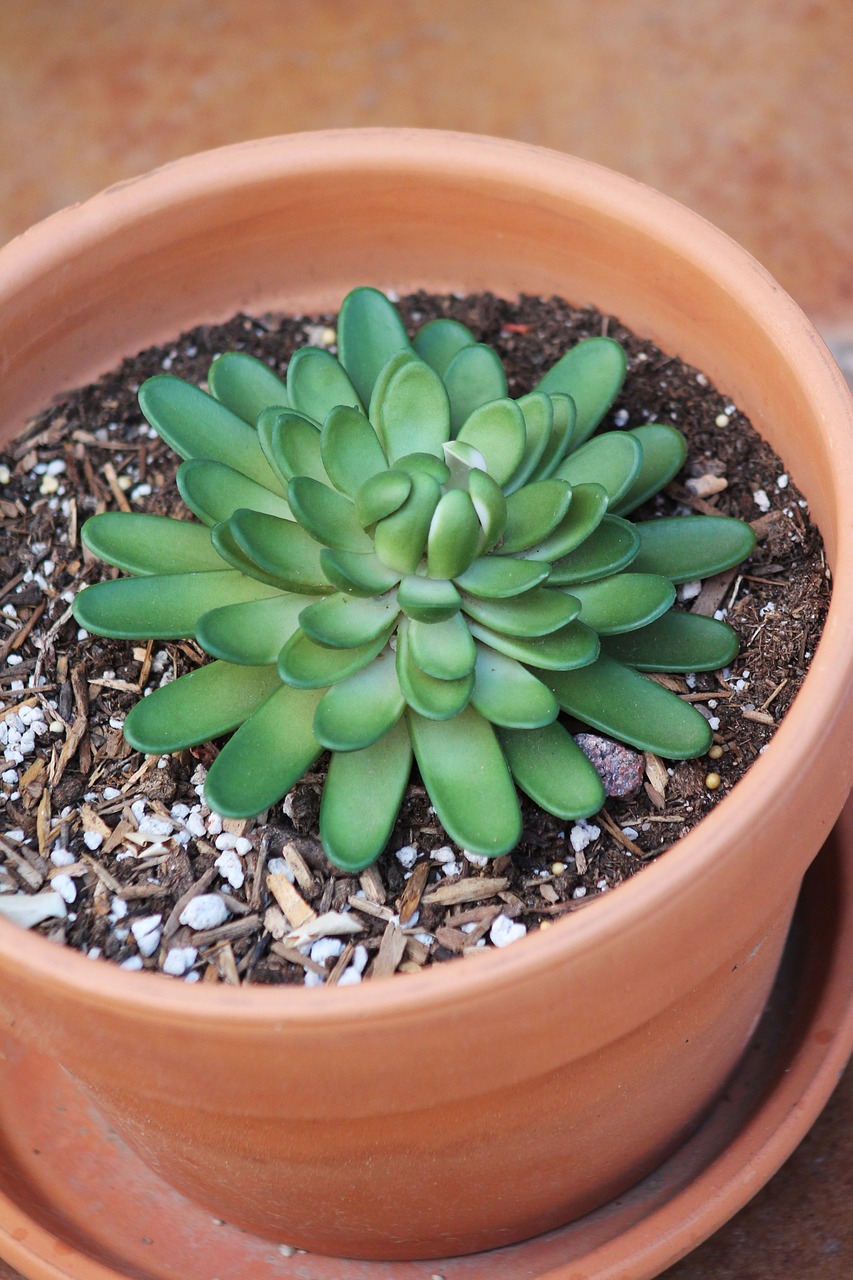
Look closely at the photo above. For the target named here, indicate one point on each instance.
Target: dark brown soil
(73, 789)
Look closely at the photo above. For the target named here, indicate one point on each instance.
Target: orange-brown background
(741, 109)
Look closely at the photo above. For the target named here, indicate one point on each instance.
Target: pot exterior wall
(462, 1108)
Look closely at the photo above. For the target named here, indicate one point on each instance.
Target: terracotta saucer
(75, 1204)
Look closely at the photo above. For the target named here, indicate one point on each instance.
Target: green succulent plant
(393, 557)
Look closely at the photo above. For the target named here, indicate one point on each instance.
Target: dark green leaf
(362, 797)
(413, 413)
(246, 385)
(316, 383)
(466, 776)
(197, 707)
(610, 547)
(497, 431)
(436, 699)
(251, 633)
(356, 711)
(197, 426)
(291, 442)
(213, 492)
(677, 642)
(440, 340)
(266, 756)
(612, 460)
(474, 377)
(490, 505)
(369, 332)
(620, 702)
(445, 650)
(144, 544)
(350, 449)
(454, 535)
(538, 411)
(550, 767)
(326, 514)
(280, 548)
(381, 495)
(562, 434)
(536, 613)
(346, 621)
(664, 451)
(400, 538)
(591, 373)
(162, 607)
(533, 513)
(494, 578)
(684, 548)
(428, 599)
(572, 646)
(623, 602)
(508, 694)
(586, 511)
(307, 665)
(357, 573)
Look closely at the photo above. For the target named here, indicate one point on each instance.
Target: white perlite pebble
(65, 887)
(582, 834)
(504, 931)
(326, 949)
(92, 840)
(179, 960)
(444, 854)
(230, 868)
(476, 859)
(761, 500)
(407, 856)
(29, 909)
(62, 857)
(206, 911)
(132, 962)
(146, 931)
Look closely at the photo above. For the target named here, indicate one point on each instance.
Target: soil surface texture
(119, 848)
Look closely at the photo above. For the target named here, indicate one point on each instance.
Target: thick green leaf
(536, 613)
(533, 513)
(291, 443)
(213, 492)
(623, 602)
(538, 411)
(316, 383)
(357, 573)
(362, 797)
(225, 543)
(610, 547)
(196, 425)
(428, 599)
(677, 642)
(266, 756)
(461, 460)
(497, 431)
(350, 449)
(400, 538)
(356, 711)
(381, 495)
(307, 665)
(251, 633)
(508, 694)
(591, 373)
(413, 413)
(326, 514)
(280, 548)
(445, 650)
(620, 702)
(466, 775)
(490, 505)
(474, 377)
(572, 646)
(562, 435)
(162, 606)
(346, 621)
(201, 705)
(493, 578)
(454, 535)
(664, 451)
(684, 548)
(436, 699)
(550, 767)
(144, 544)
(440, 340)
(369, 332)
(612, 460)
(428, 463)
(246, 385)
(585, 513)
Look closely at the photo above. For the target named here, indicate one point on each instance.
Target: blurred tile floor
(741, 111)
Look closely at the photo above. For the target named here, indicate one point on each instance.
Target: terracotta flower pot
(476, 1103)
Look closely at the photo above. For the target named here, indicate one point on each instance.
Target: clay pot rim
(552, 176)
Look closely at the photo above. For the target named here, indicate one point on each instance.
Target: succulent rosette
(394, 558)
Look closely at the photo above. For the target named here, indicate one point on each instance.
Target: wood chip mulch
(148, 878)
